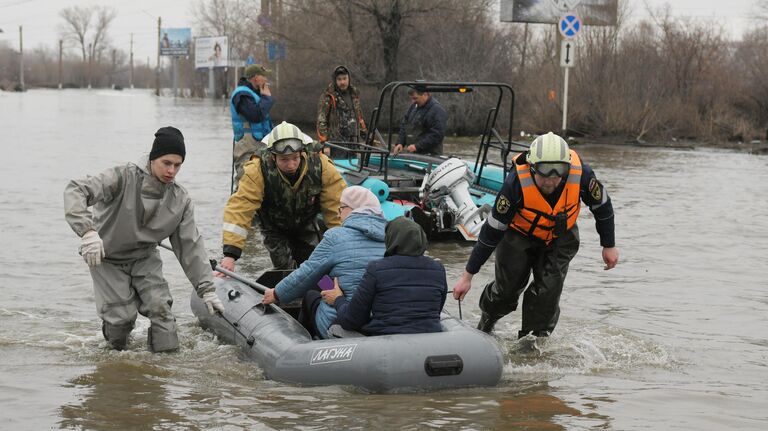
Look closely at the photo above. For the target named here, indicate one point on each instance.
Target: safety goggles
(287, 146)
(551, 169)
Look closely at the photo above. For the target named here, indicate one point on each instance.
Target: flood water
(674, 338)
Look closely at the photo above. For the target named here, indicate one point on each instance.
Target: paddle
(232, 176)
(257, 287)
(459, 301)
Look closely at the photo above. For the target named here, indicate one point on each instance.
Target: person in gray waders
(135, 206)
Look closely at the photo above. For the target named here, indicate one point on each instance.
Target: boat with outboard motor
(445, 195)
(459, 356)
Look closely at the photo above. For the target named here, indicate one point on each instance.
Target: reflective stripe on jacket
(253, 194)
(537, 218)
(240, 126)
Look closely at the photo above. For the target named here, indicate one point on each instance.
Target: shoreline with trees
(663, 79)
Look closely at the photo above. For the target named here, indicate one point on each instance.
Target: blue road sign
(275, 50)
(250, 60)
(569, 25)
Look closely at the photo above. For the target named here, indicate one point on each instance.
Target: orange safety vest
(536, 217)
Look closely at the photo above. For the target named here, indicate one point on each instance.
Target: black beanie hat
(168, 140)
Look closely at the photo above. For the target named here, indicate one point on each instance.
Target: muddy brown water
(674, 338)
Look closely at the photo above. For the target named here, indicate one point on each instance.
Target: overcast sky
(42, 23)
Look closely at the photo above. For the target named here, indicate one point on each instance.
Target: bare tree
(236, 19)
(660, 78)
(77, 23)
(761, 9)
(99, 40)
(369, 32)
(749, 63)
(88, 27)
(390, 18)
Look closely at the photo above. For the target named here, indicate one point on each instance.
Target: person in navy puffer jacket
(403, 293)
(343, 253)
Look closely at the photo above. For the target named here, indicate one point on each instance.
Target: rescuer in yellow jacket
(533, 229)
(288, 188)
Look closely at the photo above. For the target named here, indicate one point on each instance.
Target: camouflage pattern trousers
(517, 258)
(287, 250)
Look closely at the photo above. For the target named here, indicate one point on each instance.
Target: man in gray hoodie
(136, 206)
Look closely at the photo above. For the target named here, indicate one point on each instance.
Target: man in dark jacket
(249, 108)
(403, 293)
(423, 127)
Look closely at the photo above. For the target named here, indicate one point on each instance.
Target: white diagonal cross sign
(569, 25)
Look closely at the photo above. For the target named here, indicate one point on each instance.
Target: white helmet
(285, 138)
(549, 155)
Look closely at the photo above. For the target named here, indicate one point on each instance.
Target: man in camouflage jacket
(339, 114)
(288, 187)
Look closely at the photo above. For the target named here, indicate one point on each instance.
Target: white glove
(92, 248)
(213, 303)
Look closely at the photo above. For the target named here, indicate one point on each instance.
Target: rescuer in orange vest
(533, 229)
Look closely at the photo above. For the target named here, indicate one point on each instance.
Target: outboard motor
(446, 191)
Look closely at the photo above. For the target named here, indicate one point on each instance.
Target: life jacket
(537, 217)
(239, 125)
(283, 206)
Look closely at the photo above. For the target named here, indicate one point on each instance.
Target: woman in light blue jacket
(344, 252)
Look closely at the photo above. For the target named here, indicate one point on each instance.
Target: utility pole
(114, 66)
(525, 51)
(157, 72)
(131, 61)
(61, 53)
(21, 58)
(175, 74)
(90, 64)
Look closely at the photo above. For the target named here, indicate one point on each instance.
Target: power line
(15, 3)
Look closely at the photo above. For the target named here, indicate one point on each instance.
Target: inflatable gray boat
(460, 356)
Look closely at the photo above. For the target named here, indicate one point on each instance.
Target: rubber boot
(521, 334)
(162, 341)
(117, 335)
(486, 323)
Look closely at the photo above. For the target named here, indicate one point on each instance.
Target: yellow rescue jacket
(241, 207)
(537, 217)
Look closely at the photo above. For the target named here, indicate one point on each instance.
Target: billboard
(175, 41)
(211, 52)
(591, 12)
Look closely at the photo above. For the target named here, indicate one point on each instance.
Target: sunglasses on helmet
(548, 169)
(287, 146)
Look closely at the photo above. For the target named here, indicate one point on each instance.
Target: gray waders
(125, 289)
(517, 257)
(242, 152)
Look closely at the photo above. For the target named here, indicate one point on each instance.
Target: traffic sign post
(567, 53)
(569, 26)
(567, 57)
(565, 100)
